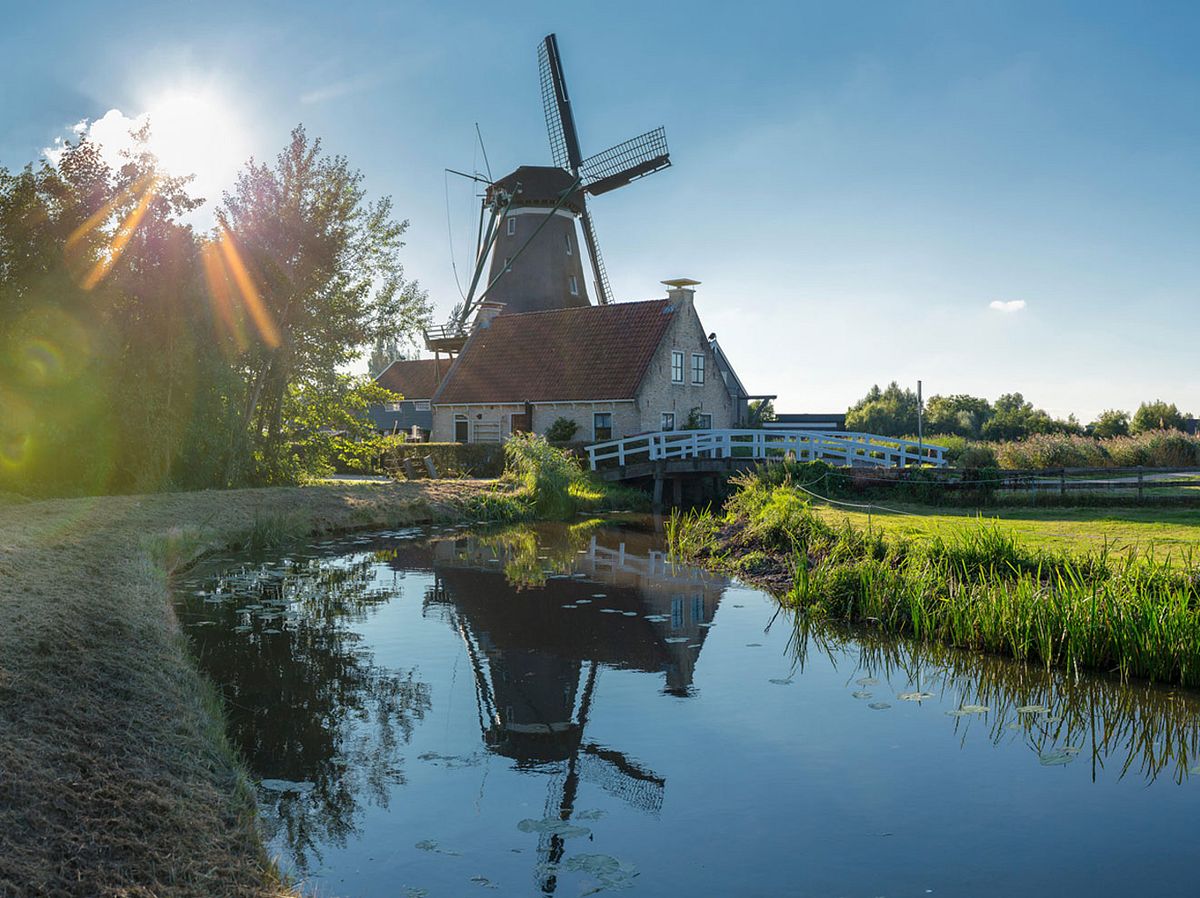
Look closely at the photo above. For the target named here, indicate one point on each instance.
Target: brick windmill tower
(534, 221)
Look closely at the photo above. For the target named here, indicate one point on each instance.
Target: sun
(198, 132)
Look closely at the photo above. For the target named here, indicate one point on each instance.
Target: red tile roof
(413, 378)
(587, 354)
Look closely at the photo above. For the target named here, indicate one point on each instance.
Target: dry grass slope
(115, 777)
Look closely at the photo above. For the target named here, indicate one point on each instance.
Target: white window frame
(697, 369)
(420, 405)
(705, 420)
(677, 366)
(573, 285)
(462, 419)
(512, 226)
(663, 418)
(596, 415)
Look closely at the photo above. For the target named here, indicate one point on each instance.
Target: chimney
(681, 291)
(488, 310)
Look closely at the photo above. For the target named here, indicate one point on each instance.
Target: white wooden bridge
(681, 451)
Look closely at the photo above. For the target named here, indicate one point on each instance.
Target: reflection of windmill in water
(527, 221)
(536, 671)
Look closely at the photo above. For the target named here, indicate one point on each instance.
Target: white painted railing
(837, 447)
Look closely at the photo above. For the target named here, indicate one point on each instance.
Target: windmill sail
(617, 166)
(603, 288)
(560, 121)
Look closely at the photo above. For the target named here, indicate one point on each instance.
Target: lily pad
(753, 645)
(554, 827)
(781, 682)
(1033, 709)
(1057, 757)
(862, 693)
(866, 681)
(879, 706)
(914, 696)
(976, 709)
(590, 814)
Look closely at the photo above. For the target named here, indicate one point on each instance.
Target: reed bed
(978, 588)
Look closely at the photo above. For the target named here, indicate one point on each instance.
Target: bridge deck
(715, 451)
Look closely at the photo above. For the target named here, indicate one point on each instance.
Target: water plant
(979, 587)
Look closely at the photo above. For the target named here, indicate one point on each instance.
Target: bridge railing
(837, 447)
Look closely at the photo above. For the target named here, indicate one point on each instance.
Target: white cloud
(1011, 305)
(112, 133)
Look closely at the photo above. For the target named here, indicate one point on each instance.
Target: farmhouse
(615, 370)
(415, 380)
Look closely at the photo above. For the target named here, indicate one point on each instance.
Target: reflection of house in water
(536, 662)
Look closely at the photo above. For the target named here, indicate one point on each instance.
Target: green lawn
(1141, 529)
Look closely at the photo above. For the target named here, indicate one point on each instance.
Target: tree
(1157, 415)
(890, 412)
(384, 352)
(1111, 423)
(322, 279)
(959, 414)
(1013, 418)
(103, 331)
(759, 412)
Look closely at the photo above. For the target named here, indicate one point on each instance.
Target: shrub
(562, 430)
(451, 459)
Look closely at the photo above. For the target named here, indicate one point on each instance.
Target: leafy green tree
(1111, 423)
(325, 264)
(1157, 415)
(385, 351)
(760, 411)
(102, 327)
(1014, 418)
(888, 412)
(959, 414)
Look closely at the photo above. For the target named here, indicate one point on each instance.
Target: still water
(558, 710)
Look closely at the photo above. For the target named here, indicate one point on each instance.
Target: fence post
(1062, 482)
(1141, 481)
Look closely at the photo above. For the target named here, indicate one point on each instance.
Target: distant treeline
(893, 411)
(137, 354)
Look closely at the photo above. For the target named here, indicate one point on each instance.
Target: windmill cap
(677, 283)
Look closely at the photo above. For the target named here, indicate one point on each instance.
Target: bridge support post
(658, 485)
(677, 491)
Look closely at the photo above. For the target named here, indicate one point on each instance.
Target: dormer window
(573, 285)
(512, 227)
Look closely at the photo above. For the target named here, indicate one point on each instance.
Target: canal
(558, 710)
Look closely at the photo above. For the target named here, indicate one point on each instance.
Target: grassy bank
(1161, 531)
(115, 777)
(975, 585)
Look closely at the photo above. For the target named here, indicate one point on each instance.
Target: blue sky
(854, 184)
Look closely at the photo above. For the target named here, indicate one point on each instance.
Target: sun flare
(197, 132)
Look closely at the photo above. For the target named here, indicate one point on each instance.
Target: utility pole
(920, 424)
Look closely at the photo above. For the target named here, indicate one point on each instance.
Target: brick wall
(658, 394)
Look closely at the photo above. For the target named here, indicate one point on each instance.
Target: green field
(1163, 531)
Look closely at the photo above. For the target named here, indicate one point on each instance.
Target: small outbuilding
(415, 380)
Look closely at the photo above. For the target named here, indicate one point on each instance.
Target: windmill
(527, 220)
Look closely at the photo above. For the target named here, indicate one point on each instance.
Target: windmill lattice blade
(560, 122)
(603, 288)
(616, 774)
(617, 166)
